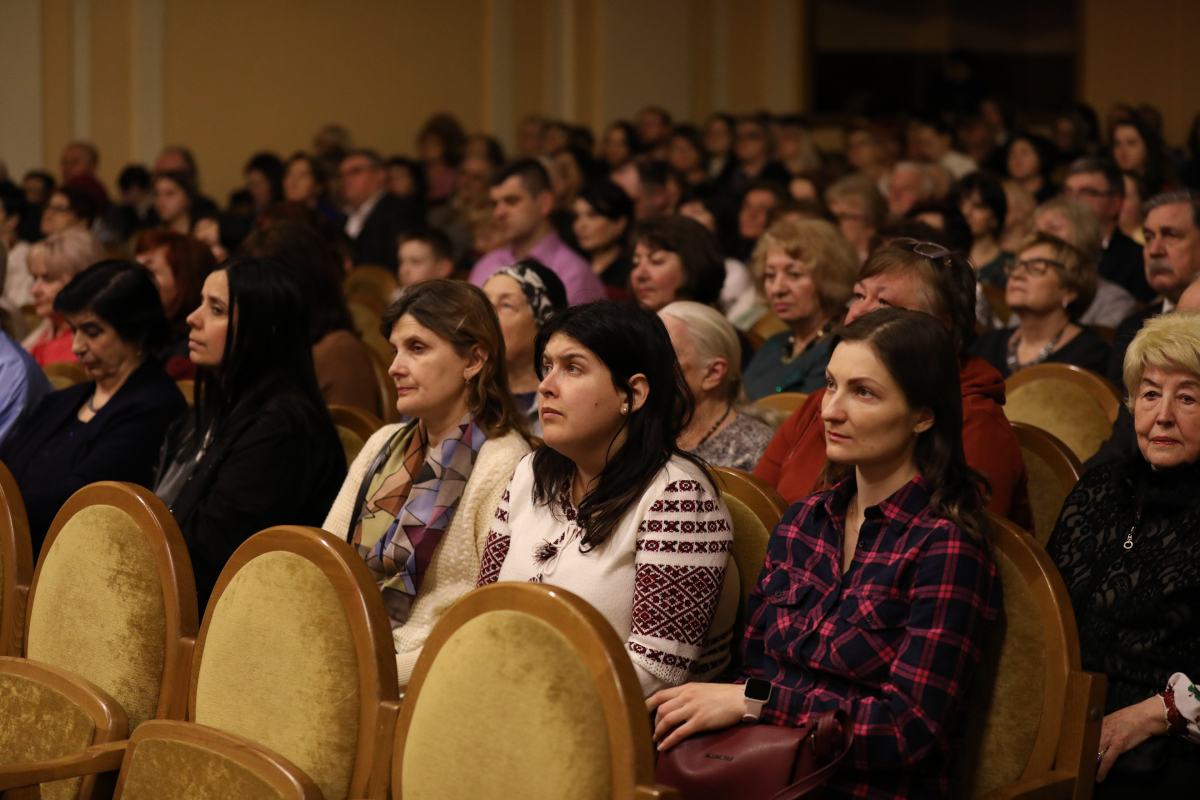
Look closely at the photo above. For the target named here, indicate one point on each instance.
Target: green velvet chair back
(113, 599)
(1052, 471)
(1068, 402)
(755, 508)
(295, 654)
(185, 761)
(1015, 707)
(523, 690)
(354, 427)
(16, 565)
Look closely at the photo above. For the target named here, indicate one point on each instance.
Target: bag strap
(822, 736)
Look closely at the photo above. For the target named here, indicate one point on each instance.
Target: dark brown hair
(698, 251)
(462, 315)
(921, 358)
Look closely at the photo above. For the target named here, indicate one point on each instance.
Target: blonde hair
(67, 253)
(821, 247)
(1085, 225)
(713, 337)
(1168, 341)
(1077, 273)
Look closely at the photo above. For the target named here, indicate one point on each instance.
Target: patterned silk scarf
(412, 500)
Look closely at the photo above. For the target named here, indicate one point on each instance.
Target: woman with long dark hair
(875, 592)
(611, 505)
(419, 499)
(603, 223)
(1138, 148)
(259, 448)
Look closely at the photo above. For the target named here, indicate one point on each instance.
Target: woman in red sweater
(919, 276)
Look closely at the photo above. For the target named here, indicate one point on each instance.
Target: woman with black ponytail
(610, 508)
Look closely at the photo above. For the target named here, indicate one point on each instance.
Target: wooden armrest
(89, 761)
(656, 792)
(1053, 785)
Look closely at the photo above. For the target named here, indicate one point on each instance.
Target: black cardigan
(120, 443)
(283, 464)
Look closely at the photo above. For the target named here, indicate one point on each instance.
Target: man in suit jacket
(1172, 263)
(1099, 183)
(375, 217)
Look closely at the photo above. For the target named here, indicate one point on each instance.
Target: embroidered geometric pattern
(668, 601)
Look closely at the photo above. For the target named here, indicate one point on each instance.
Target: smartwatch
(757, 693)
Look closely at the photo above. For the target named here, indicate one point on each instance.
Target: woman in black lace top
(1128, 546)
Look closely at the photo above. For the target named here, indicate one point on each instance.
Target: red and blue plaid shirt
(893, 642)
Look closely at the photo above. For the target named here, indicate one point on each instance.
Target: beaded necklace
(717, 424)
(1014, 365)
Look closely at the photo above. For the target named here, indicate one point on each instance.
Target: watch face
(758, 690)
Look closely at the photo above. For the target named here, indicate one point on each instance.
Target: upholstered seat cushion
(279, 668)
(1003, 707)
(1063, 409)
(38, 722)
(508, 710)
(98, 609)
(166, 769)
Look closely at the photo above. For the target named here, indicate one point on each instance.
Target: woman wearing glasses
(1049, 286)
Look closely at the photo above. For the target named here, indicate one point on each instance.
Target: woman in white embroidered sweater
(611, 509)
(419, 499)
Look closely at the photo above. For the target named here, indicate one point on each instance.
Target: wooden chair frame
(21, 781)
(1062, 461)
(787, 402)
(284, 776)
(369, 625)
(766, 503)
(1062, 762)
(361, 423)
(174, 572)
(387, 389)
(64, 371)
(16, 549)
(602, 653)
(371, 279)
(1103, 392)
(998, 302)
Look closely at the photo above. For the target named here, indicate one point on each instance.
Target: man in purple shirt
(521, 192)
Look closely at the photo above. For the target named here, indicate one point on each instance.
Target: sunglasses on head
(927, 249)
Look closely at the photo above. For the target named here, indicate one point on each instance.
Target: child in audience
(610, 508)
(424, 255)
(876, 592)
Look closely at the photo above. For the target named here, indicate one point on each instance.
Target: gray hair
(1170, 199)
(714, 337)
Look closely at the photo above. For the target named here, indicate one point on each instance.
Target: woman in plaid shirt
(876, 593)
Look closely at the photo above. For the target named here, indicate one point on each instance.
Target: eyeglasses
(927, 249)
(1086, 191)
(1033, 266)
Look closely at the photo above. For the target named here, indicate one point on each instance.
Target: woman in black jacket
(111, 427)
(260, 448)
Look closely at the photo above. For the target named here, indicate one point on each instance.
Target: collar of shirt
(356, 219)
(1168, 306)
(900, 508)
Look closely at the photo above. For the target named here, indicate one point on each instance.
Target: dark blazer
(1122, 338)
(281, 465)
(1122, 263)
(121, 443)
(377, 241)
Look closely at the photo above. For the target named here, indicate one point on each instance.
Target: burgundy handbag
(758, 762)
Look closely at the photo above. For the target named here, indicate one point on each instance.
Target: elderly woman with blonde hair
(709, 354)
(1076, 223)
(53, 262)
(1127, 544)
(806, 270)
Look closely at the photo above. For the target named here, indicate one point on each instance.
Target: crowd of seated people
(580, 330)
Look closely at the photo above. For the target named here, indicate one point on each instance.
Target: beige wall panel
(21, 90)
(747, 47)
(248, 75)
(589, 26)
(529, 58)
(701, 40)
(646, 57)
(57, 64)
(112, 85)
(1134, 54)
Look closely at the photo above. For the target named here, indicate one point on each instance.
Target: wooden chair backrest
(767, 505)
(768, 326)
(174, 573)
(1069, 402)
(188, 389)
(233, 703)
(354, 427)
(996, 299)
(387, 389)
(373, 280)
(588, 635)
(1014, 711)
(1052, 470)
(787, 402)
(16, 565)
(65, 374)
(167, 759)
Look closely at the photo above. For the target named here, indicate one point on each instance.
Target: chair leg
(1080, 738)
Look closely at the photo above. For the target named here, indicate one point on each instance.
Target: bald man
(1124, 439)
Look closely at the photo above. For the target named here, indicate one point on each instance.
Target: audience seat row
(289, 688)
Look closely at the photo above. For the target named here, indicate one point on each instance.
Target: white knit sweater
(660, 578)
(455, 564)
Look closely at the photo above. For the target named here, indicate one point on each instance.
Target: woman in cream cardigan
(418, 501)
